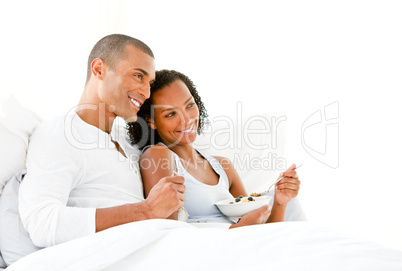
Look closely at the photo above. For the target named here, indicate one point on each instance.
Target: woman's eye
(170, 115)
(191, 105)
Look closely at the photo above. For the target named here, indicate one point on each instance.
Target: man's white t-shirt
(73, 168)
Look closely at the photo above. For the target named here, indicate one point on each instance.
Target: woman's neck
(186, 152)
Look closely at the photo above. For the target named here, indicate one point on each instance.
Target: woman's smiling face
(175, 114)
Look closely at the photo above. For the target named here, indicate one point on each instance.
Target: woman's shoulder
(157, 151)
(157, 158)
(221, 158)
(223, 161)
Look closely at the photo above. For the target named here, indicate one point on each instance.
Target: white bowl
(238, 209)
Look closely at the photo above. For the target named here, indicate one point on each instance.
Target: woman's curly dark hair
(139, 131)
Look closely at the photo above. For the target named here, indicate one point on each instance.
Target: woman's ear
(151, 123)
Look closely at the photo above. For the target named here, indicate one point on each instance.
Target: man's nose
(145, 90)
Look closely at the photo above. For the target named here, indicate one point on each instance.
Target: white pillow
(255, 145)
(2, 263)
(15, 242)
(16, 125)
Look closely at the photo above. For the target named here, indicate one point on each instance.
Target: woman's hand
(255, 217)
(288, 188)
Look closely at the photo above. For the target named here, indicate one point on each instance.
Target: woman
(169, 121)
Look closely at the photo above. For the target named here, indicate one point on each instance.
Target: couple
(70, 192)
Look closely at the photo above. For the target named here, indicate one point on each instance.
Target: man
(70, 191)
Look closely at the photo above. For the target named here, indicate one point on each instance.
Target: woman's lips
(188, 131)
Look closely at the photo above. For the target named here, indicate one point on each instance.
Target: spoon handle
(269, 188)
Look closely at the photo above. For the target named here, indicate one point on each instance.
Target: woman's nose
(186, 118)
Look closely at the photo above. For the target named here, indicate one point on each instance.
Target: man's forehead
(132, 51)
(140, 60)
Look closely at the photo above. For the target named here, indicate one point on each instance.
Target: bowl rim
(224, 201)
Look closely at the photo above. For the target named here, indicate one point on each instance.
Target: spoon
(269, 188)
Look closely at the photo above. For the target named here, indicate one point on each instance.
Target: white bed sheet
(173, 245)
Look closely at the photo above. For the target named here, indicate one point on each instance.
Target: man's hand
(288, 188)
(255, 217)
(166, 196)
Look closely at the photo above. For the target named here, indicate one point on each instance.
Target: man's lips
(135, 102)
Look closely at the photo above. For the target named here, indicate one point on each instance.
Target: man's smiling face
(126, 86)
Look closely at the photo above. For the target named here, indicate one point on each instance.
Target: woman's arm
(285, 190)
(156, 163)
(236, 187)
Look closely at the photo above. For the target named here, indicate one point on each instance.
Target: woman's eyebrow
(188, 100)
(171, 108)
(167, 109)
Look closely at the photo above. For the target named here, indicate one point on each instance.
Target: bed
(174, 245)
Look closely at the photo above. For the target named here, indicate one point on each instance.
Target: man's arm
(164, 198)
(109, 217)
(55, 168)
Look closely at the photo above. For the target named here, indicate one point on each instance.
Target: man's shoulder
(50, 127)
(51, 140)
(54, 131)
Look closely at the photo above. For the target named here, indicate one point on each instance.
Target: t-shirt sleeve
(54, 168)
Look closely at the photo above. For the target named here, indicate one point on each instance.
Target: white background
(292, 56)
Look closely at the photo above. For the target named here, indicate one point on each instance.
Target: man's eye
(139, 76)
(170, 115)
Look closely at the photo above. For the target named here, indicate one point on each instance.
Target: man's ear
(151, 123)
(98, 68)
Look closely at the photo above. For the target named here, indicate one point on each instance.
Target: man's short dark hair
(111, 49)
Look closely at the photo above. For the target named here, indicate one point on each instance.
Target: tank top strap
(145, 148)
(217, 167)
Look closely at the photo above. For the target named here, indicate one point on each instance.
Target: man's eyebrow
(141, 70)
(171, 108)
